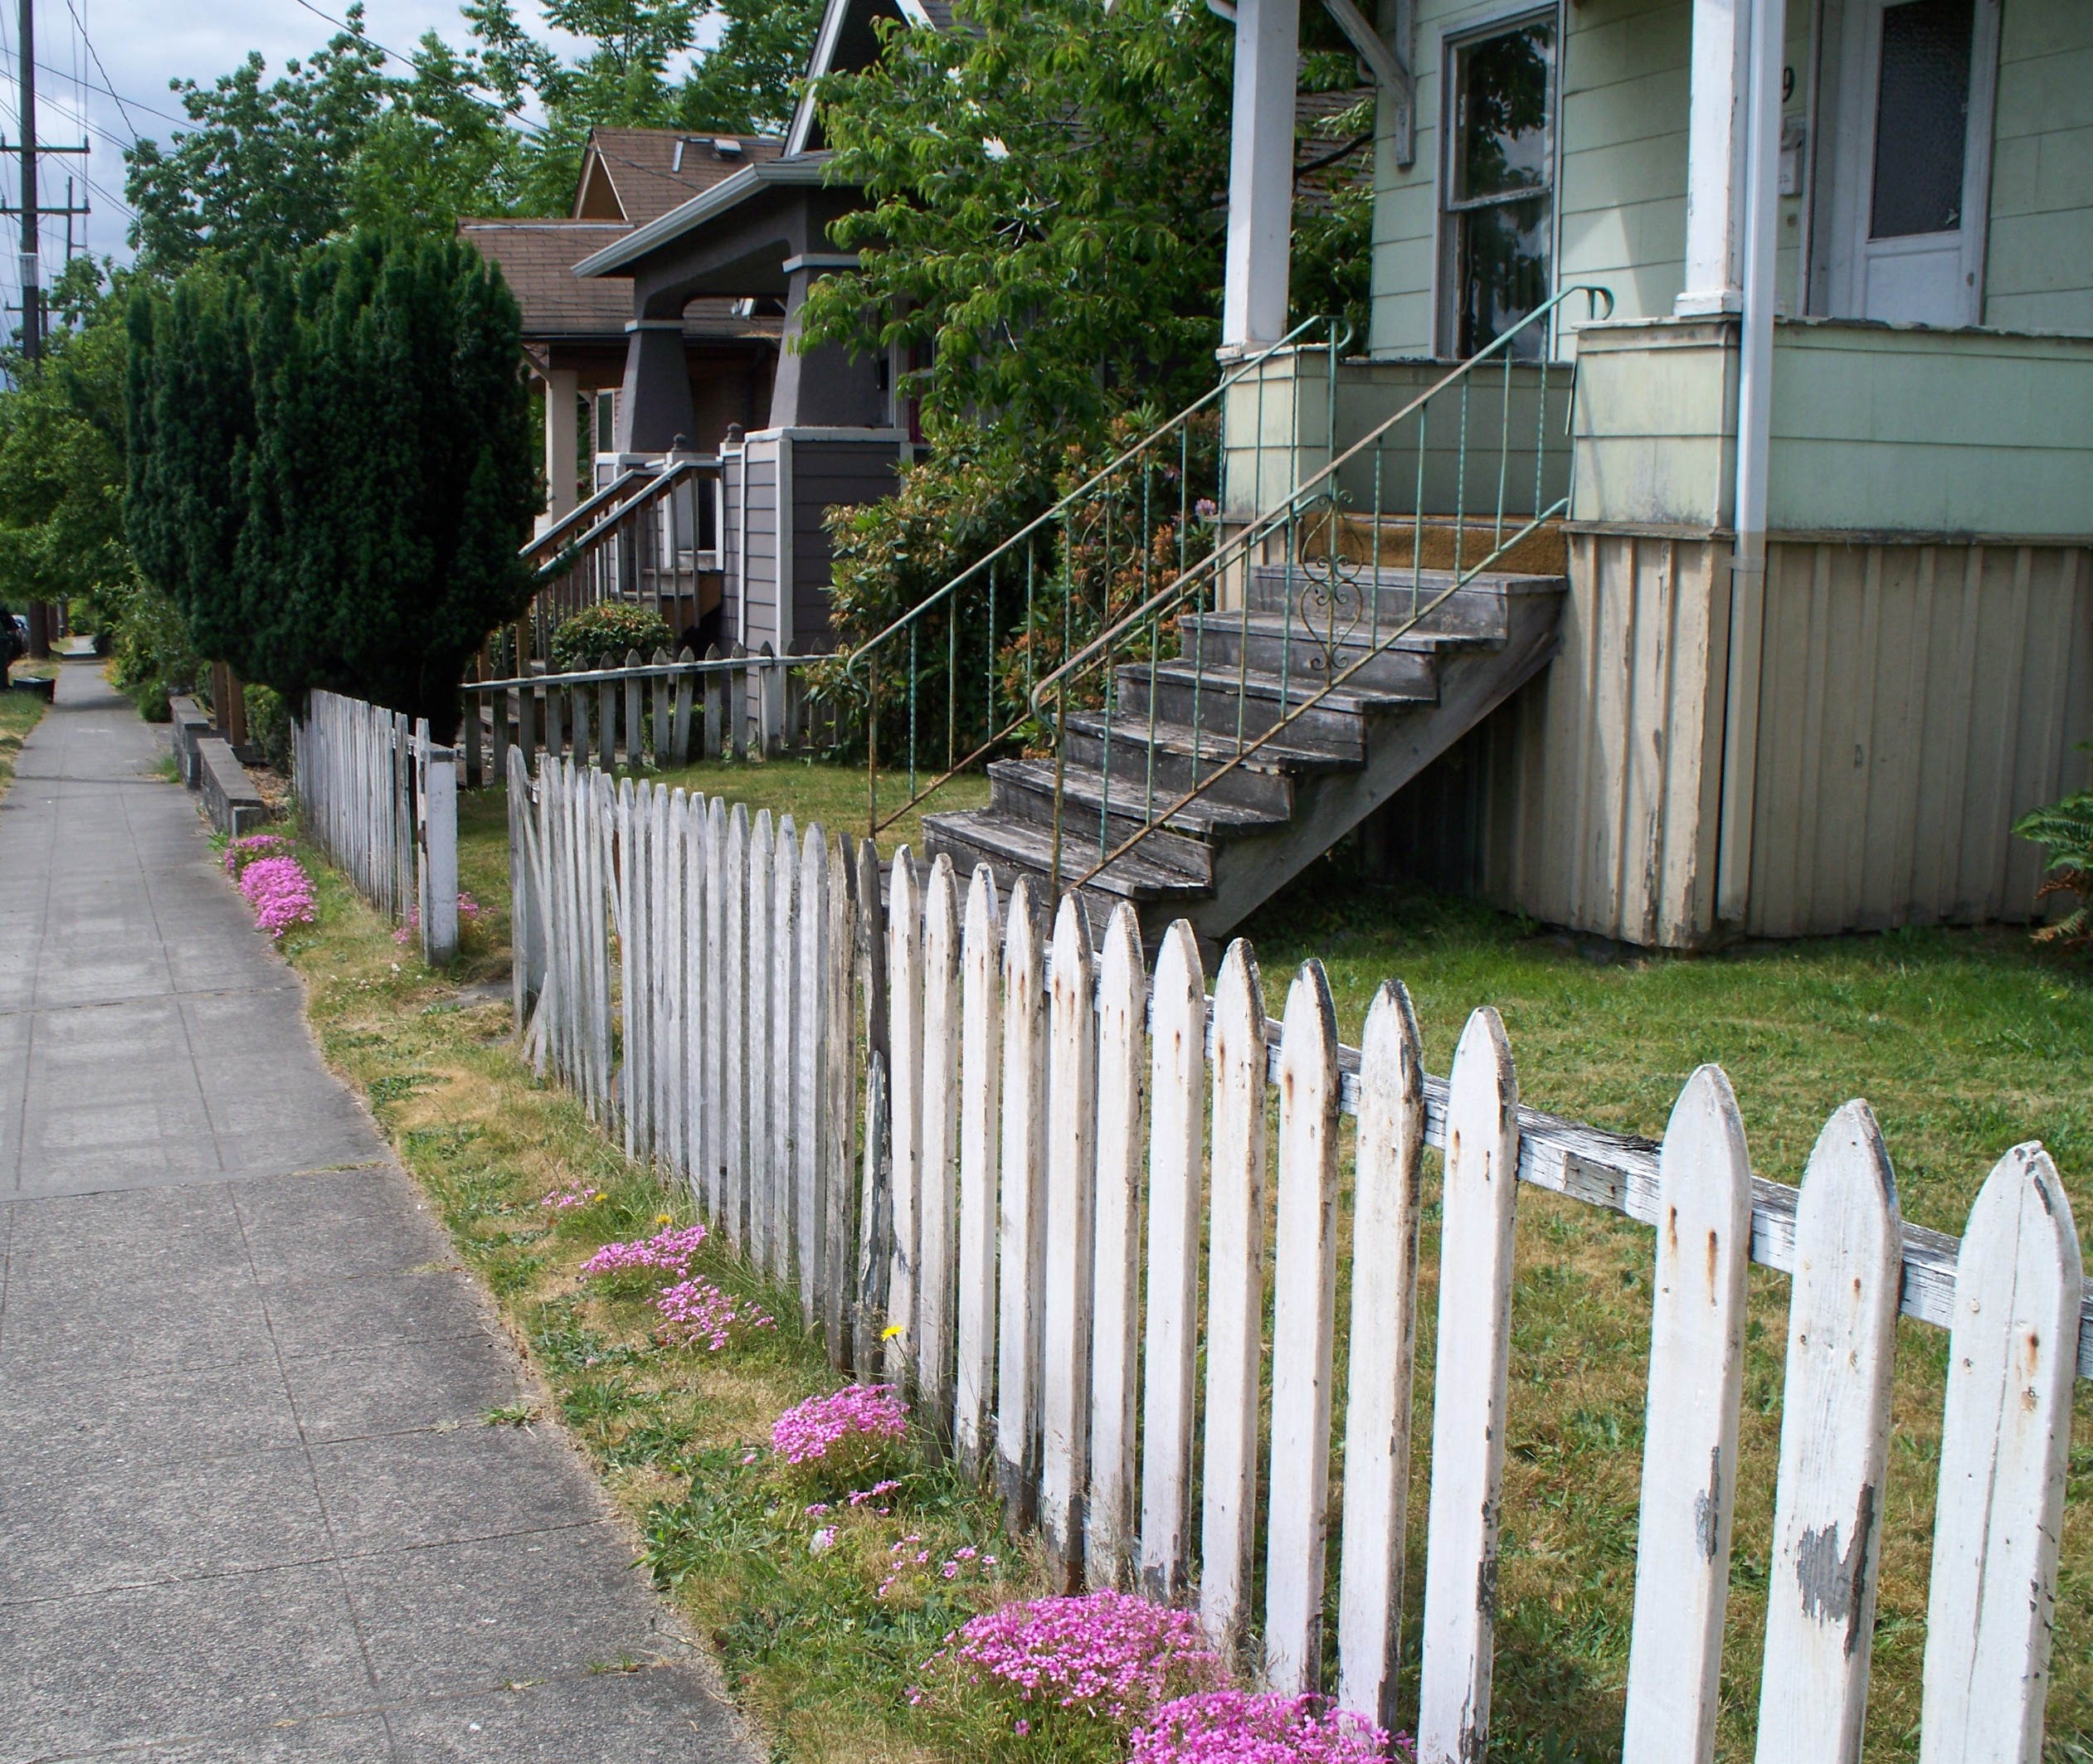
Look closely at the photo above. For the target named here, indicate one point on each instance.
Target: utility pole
(32, 315)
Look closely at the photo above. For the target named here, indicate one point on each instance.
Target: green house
(1828, 459)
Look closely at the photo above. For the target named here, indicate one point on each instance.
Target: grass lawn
(1965, 1043)
(19, 713)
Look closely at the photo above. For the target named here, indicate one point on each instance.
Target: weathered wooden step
(1225, 701)
(1012, 847)
(1272, 644)
(1183, 757)
(1477, 609)
(1025, 788)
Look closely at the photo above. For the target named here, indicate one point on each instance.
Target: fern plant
(2065, 829)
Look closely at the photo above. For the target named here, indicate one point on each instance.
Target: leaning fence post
(437, 798)
(938, 1133)
(980, 1113)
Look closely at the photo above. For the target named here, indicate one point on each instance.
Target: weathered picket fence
(381, 799)
(689, 972)
(1065, 1172)
(655, 712)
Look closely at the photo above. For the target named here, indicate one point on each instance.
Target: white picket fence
(380, 800)
(1065, 1153)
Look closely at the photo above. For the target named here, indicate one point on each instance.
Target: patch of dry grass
(19, 713)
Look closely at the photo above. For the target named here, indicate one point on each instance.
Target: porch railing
(648, 536)
(1347, 564)
(968, 655)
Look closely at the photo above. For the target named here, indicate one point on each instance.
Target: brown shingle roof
(538, 259)
(637, 174)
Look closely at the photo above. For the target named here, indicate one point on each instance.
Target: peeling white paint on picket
(1032, 1228)
(981, 1073)
(1121, 1011)
(1834, 1449)
(1469, 1398)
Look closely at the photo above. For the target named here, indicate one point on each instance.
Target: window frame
(1449, 209)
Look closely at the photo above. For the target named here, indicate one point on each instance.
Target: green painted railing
(952, 680)
(1459, 513)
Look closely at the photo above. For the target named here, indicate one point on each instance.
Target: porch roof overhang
(801, 172)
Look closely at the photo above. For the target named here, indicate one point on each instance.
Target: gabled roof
(848, 44)
(536, 260)
(804, 170)
(634, 175)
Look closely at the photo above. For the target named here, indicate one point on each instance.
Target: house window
(606, 421)
(1499, 186)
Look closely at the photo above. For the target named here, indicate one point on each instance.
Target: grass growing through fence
(1964, 1042)
(19, 713)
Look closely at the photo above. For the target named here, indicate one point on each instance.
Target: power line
(108, 84)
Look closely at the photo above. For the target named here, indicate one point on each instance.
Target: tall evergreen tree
(361, 532)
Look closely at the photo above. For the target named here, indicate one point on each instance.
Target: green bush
(269, 726)
(2065, 829)
(603, 635)
(149, 640)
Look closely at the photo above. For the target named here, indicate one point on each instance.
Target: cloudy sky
(141, 45)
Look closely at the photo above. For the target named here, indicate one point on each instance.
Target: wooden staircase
(1174, 727)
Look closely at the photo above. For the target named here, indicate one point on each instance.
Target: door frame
(1860, 75)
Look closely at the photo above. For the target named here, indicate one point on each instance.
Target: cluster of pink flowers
(666, 1252)
(242, 852)
(857, 1414)
(859, 1496)
(1106, 1654)
(1236, 1726)
(696, 1313)
(905, 1560)
(468, 912)
(565, 1200)
(279, 891)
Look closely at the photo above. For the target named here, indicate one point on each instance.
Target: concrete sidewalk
(249, 1509)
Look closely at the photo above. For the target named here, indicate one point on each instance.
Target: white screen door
(1918, 157)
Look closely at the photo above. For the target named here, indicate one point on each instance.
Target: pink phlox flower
(747, 1458)
(1106, 1654)
(822, 1541)
(669, 1252)
(565, 1200)
(818, 1506)
(279, 891)
(1236, 1726)
(695, 1312)
(808, 1432)
(242, 852)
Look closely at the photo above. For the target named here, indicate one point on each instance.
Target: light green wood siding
(2038, 260)
(1876, 428)
(1621, 116)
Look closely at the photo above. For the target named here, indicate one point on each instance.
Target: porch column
(561, 391)
(1715, 159)
(656, 407)
(826, 387)
(1253, 307)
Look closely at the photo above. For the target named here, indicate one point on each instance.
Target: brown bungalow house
(575, 332)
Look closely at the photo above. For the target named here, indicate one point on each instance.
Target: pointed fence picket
(997, 1171)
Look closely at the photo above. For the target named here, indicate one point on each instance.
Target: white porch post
(561, 392)
(1254, 308)
(1714, 156)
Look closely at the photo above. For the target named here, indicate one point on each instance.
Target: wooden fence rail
(381, 799)
(647, 713)
(1053, 1236)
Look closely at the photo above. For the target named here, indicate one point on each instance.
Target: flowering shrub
(1107, 1654)
(697, 1314)
(824, 1429)
(1235, 1727)
(666, 1252)
(242, 852)
(469, 912)
(279, 891)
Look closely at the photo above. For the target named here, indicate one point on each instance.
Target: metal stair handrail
(1049, 694)
(863, 662)
(581, 511)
